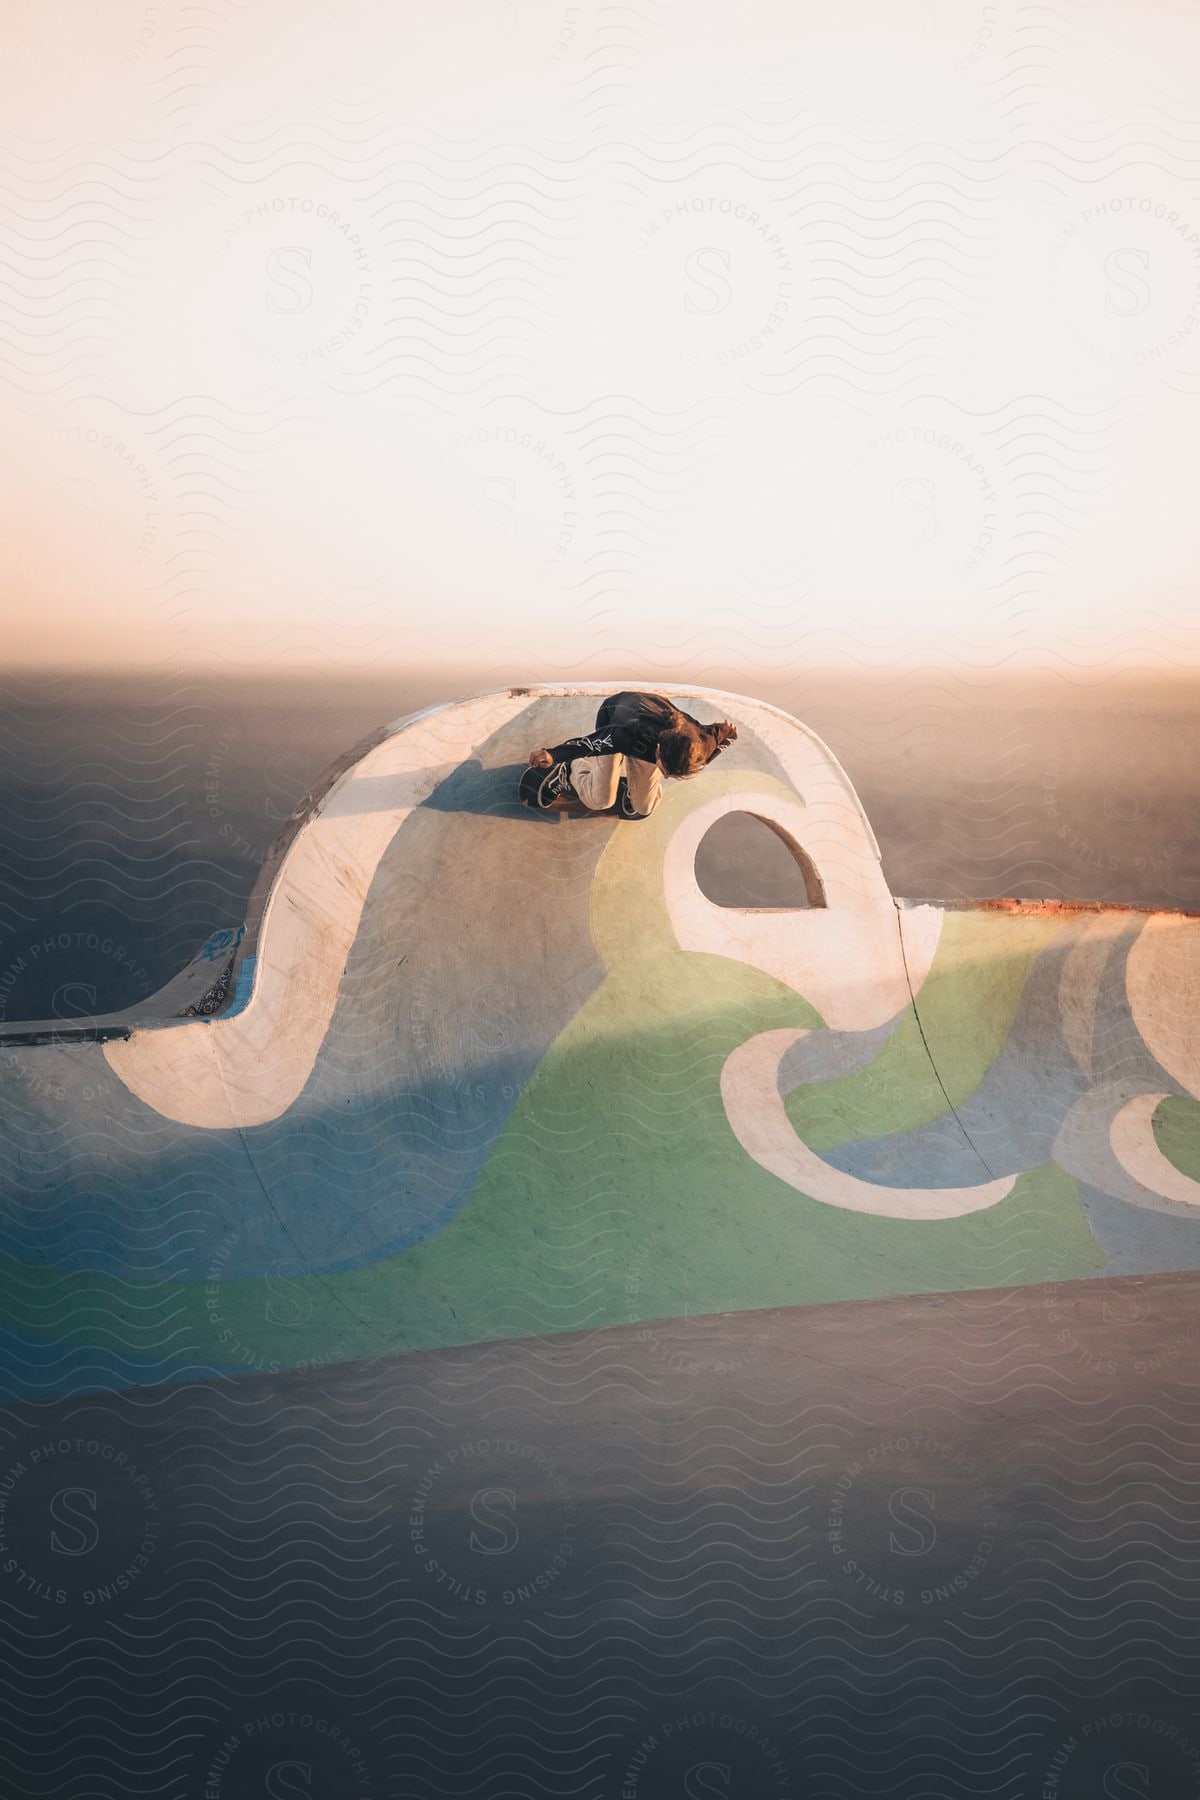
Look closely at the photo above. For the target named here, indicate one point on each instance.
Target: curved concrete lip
(170, 1007)
(249, 1061)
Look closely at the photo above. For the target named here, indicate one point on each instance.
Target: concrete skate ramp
(471, 1073)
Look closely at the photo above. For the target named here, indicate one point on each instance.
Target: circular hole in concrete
(750, 863)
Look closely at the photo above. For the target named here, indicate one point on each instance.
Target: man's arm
(719, 735)
(613, 740)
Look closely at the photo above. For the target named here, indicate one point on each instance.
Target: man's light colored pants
(595, 779)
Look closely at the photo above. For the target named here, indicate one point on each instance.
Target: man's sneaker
(556, 785)
(542, 787)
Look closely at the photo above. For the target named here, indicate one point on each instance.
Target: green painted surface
(621, 1145)
(618, 1192)
(1177, 1133)
(966, 1004)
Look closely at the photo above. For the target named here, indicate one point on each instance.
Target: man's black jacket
(630, 724)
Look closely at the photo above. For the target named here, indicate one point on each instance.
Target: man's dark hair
(683, 752)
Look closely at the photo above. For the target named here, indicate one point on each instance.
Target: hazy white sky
(600, 338)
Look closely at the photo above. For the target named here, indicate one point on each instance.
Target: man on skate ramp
(638, 740)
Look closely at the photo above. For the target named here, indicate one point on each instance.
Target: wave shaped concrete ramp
(469, 1073)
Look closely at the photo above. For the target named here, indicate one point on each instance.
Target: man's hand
(540, 759)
